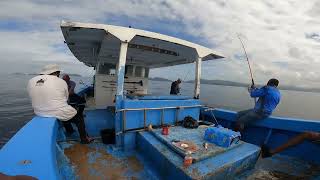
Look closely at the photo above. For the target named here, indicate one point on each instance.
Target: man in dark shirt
(77, 102)
(71, 84)
(175, 87)
(74, 98)
(269, 98)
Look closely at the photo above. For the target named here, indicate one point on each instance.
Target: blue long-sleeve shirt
(269, 96)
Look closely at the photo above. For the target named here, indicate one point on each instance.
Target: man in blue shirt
(269, 98)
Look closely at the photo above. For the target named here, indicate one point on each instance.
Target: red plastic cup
(165, 130)
(187, 161)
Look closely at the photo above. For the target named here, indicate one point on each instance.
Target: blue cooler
(221, 136)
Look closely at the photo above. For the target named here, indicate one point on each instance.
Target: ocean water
(15, 105)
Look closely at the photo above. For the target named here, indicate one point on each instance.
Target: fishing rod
(252, 81)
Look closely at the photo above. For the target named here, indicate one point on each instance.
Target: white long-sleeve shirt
(49, 96)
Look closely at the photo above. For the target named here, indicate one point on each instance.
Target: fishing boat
(142, 136)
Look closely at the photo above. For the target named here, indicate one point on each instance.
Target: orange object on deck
(187, 160)
(165, 130)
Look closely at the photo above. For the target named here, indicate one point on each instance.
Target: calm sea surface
(15, 106)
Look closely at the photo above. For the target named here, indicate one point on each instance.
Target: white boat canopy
(91, 43)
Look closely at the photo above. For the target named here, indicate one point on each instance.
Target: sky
(282, 38)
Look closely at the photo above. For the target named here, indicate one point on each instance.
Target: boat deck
(100, 161)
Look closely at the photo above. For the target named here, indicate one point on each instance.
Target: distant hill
(159, 79)
(238, 84)
(17, 73)
(293, 88)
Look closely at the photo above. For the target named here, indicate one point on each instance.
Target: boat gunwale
(271, 122)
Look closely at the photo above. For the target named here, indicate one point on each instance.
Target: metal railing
(124, 112)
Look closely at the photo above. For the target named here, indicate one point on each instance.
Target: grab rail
(124, 119)
(159, 108)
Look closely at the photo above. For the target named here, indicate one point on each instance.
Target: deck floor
(99, 161)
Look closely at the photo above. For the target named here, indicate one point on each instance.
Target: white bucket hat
(50, 68)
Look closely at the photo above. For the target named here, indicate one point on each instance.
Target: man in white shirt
(49, 96)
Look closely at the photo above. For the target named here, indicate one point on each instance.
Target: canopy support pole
(121, 68)
(197, 78)
(119, 94)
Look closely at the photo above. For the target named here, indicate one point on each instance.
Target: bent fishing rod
(252, 81)
(244, 49)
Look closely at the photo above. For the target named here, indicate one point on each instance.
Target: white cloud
(271, 30)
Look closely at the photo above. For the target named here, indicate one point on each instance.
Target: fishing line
(187, 73)
(213, 116)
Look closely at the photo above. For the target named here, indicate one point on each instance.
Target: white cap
(50, 68)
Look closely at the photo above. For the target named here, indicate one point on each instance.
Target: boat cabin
(123, 58)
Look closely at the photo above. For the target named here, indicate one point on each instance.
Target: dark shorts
(249, 116)
(78, 103)
(75, 99)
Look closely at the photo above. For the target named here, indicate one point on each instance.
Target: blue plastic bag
(221, 136)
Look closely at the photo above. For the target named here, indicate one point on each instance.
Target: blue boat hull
(40, 149)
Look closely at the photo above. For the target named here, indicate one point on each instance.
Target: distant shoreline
(207, 81)
(237, 84)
